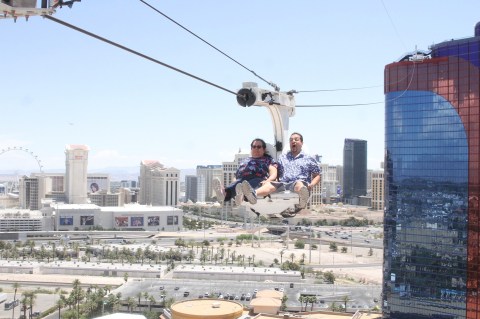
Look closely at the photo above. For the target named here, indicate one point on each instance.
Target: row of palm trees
(311, 299)
(91, 302)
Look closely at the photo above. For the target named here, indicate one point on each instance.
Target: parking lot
(359, 296)
(42, 303)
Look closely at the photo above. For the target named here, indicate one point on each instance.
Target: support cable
(136, 53)
(211, 45)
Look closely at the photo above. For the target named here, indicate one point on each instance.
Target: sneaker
(238, 194)
(249, 192)
(218, 188)
(303, 195)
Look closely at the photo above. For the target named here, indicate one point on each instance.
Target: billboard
(153, 220)
(97, 183)
(136, 221)
(172, 220)
(86, 220)
(66, 220)
(121, 221)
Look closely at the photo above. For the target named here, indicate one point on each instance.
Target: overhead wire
(369, 103)
(136, 53)
(211, 45)
(347, 89)
(226, 55)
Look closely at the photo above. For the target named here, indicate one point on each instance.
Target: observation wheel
(25, 150)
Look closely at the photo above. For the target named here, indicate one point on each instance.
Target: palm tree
(303, 299)
(60, 304)
(25, 301)
(15, 287)
(151, 299)
(345, 299)
(281, 256)
(131, 303)
(312, 300)
(292, 256)
(77, 294)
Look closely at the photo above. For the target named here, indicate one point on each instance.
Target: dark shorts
(290, 186)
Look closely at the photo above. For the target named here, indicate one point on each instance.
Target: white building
(129, 217)
(24, 220)
(159, 186)
(76, 162)
(209, 172)
(329, 182)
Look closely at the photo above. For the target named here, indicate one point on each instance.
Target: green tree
(131, 304)
(292, 256)
(333, 246)
(344, 250)
(312, 300)
(300, 244)
(15, 287)
(345, 299)
(60, 304)
(329, 277)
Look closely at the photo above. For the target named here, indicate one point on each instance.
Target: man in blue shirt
(299, 173)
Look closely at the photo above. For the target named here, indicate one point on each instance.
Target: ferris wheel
(26, 150)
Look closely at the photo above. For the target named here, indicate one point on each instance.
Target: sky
(59, 86)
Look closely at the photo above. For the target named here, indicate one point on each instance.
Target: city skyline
(61, 87)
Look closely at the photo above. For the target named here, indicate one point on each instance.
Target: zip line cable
(220, 87)
(333, 90)
(136, 53)
(371, 103)
(211, 45)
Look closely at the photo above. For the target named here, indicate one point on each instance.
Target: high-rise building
(432, 174)
(329, 182)
(209, 172)
(354, 169)
(76, 162)
(159, 186)
(378, 189)
(194, 188)
(32, 191)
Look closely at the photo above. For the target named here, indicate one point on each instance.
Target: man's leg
(303, 194)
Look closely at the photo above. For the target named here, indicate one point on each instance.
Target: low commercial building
(206, 308)
(235, 273)
(129, 217)
(23, 220)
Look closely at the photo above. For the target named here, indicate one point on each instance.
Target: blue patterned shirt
(253, 167)
(301, 167)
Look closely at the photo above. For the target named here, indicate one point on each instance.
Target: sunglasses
(257, 146)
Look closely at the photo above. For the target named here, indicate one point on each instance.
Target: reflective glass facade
(432, 187)
(354, 169)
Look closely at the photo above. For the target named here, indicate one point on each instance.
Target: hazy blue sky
(61, 87)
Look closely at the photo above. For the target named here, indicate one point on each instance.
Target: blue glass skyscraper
(432, 172)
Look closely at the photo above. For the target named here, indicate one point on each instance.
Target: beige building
(159, 186)
(378, 189)
(31, 191)
(76, 163)
(206, 308)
